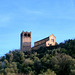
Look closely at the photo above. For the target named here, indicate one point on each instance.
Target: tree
(61, 64)
(48, 72)
(73, 68)
(27, 66)
(11, 69)
(9, 57)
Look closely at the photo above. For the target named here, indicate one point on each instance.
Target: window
(28, 35)
(25, 34)
(52, 39)
(48, 44)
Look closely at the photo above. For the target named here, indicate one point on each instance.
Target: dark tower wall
(25, 41)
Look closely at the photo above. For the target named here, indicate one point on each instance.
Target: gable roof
(52, 35)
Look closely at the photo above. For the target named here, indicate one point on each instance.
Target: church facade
(26, 42)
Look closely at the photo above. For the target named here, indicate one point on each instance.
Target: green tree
(61, 64)
(11, 69)
(9, 57)
(48, 72)
(73, 68)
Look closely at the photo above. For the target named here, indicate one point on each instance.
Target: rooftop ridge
(42, 39)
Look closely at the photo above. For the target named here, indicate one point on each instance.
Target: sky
(41, 17)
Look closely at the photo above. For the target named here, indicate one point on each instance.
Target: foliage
(53, 60)
(48, 72)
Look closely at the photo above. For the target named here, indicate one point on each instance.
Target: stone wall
(25, 41)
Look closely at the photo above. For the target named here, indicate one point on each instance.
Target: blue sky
(41, 17)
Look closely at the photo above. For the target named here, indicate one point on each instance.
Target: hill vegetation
(53, 60)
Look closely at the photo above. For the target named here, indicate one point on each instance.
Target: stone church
(26, 42)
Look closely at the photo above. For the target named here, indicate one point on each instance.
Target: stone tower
(25, 41)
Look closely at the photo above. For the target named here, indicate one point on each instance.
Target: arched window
(25, 34)
(28, 35)
(52, 39)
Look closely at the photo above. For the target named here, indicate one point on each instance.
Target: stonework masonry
(26, 42)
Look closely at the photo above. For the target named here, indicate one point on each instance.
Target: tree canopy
(53, 60)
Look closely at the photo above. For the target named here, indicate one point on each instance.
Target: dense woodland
(53, 60)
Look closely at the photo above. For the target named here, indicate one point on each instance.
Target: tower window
(28, 35)
(25, 34)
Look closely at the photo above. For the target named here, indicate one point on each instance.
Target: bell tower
(25, 41)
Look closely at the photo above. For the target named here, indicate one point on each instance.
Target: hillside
(53, 60)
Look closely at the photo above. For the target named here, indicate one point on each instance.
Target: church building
(46, 42)
(26, 42)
